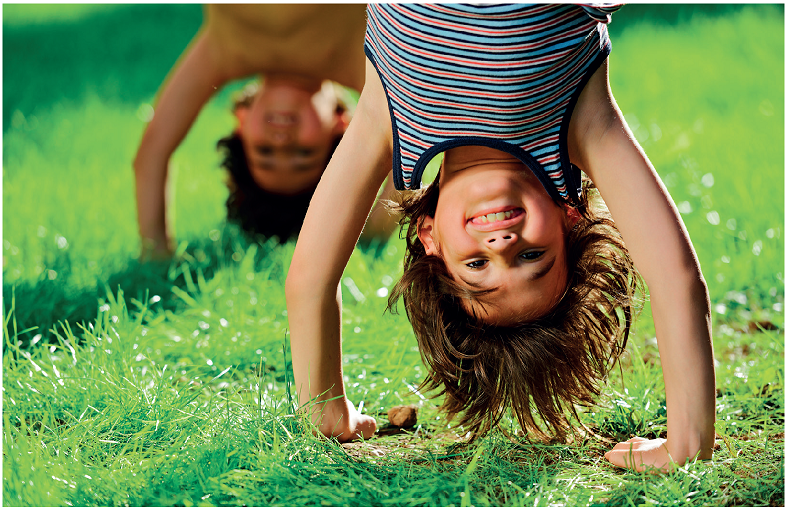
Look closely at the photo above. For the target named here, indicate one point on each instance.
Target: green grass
(167, 384)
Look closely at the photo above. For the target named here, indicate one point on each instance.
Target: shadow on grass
(40, 305)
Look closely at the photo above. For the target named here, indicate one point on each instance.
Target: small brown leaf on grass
(403, 416)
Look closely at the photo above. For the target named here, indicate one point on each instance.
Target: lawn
(166, 384)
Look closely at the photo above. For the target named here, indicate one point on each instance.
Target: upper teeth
(488, 218)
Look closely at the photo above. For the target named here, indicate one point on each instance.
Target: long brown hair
(542, 368)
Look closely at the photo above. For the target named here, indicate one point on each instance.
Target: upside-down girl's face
(496, 227)
(287, 134)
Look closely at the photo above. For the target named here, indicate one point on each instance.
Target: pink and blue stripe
(504, 76)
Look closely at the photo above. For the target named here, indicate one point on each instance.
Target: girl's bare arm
(602, 144)
(197, 75)
(331, 228)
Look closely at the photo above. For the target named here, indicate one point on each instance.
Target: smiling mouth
(498, 219)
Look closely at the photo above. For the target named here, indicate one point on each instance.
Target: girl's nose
(500, 241)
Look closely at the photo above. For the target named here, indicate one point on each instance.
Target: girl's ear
(572, 217)
(425, 236)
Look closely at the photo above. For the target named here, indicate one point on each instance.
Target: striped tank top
(502, 76)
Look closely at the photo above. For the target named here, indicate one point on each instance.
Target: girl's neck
(462, 158)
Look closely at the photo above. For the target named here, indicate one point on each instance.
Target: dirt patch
(393, 441)
(366, 449)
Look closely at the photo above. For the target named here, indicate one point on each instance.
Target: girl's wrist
(687, 446)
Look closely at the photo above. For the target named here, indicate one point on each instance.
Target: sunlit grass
(708, 110)
(166, 384)
(25, 14)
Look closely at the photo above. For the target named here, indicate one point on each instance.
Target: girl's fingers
(361, 426)
(629, 443)
(625, 447)
(366, 427)
(624, 458)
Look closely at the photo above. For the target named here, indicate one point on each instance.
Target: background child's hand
(155, 251)
(640, 454)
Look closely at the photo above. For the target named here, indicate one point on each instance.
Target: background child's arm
(331, 228)
(602, 144)
(191, 83)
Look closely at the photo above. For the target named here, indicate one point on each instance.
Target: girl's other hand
(641, 454)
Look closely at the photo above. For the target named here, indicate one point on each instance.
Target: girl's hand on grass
(342, 421)
(360, 426)
(641, 454)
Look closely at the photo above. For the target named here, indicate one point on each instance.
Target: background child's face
(287, 133)
(495, 226)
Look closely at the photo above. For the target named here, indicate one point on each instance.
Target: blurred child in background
(519, 286)
(287, 125)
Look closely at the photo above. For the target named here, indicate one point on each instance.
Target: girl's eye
(476, 264)
(531, 255)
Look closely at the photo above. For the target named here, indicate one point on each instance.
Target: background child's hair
(548, 365)
(256, 210)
